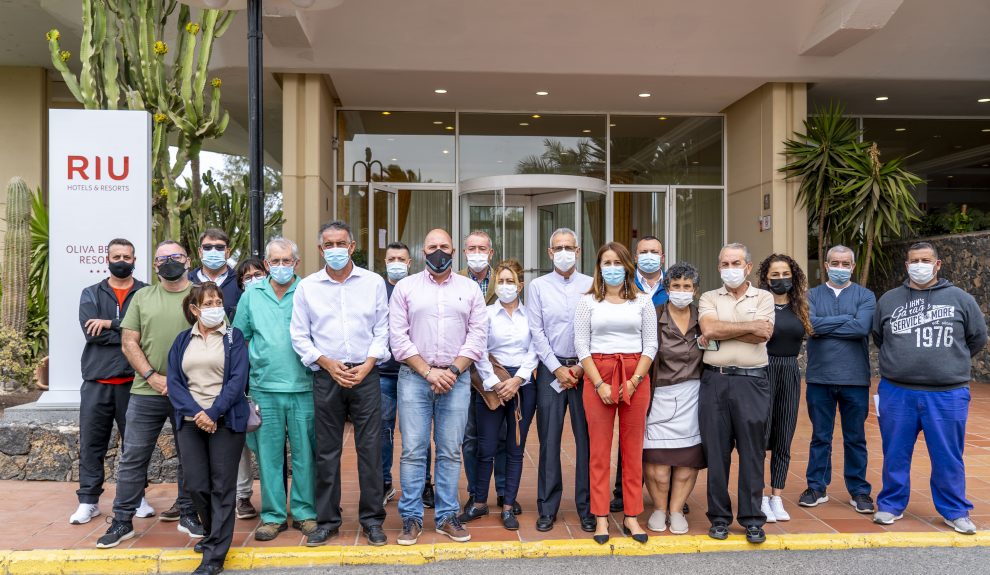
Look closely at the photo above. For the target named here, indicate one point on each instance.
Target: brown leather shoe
(411, 530)
(452, 528)
(269, 531)
(308, 526)
(245, 510)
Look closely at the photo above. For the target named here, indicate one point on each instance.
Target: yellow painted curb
(154, 561)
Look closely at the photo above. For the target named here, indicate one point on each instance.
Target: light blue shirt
(551, 301)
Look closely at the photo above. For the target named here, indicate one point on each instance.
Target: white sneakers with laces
(84, 513)
(145, 509)
(765, 509)
(777, 508)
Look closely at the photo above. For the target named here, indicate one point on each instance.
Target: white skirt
(673, 419)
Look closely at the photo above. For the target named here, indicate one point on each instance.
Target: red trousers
(615, 369)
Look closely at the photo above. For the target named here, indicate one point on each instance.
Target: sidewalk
(37, 512)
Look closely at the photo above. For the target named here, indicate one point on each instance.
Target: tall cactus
(16, 257)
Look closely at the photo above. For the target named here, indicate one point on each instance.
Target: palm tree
(587, 159)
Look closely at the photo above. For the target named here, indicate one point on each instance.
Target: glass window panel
(592, 228)
(699, 232)
(667, 150)
(495, 215)
(352, 207)
(418, 212)
(551, 217)
(400, 146)
(637, 214)
(500, 144)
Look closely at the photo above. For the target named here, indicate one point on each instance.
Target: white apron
(673, 419)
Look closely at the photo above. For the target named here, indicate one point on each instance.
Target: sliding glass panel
(637, 214)
(592, 228)
(699, 232)
(418, 212)
(352, 207)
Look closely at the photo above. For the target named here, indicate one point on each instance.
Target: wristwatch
(149, 373)
(637, 378)
(454, 370)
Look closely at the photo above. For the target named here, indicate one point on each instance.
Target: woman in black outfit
(783, 277)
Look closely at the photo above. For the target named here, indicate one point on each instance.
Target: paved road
(931, 561)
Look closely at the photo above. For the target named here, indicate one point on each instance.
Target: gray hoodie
(928, 337)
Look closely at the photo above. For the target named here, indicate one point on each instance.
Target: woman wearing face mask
(249, 272)
(615, 336)
(672, 452)
(783, 277)
(510, 344)
(207, 377)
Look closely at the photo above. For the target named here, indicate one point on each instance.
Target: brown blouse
(678, 357)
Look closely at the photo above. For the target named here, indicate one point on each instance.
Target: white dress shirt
(346, 321)
(510, 342)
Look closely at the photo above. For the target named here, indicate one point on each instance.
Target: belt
(440, 367)
(747, 371)
(568, 361)
(352, 365)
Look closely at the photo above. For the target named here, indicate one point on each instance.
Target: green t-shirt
(157, 315)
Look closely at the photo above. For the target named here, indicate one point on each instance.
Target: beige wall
(756, 127)
(307, 161)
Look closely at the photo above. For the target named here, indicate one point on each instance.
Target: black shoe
(601, 539)
(208, 570)
(516, 508)
(375, 535)
(472, 513)
(616, 505)
(172, 514)
(686, 509)
(118, 531)
(429, 498)
(862, 503)
(638, 538)
(509, 521)
(719, 531)
(190, 525)
(755, 534)
(812, 498)
(199, 547)
(469, 504)
(320, 536)
(545, 523)
(588, 524)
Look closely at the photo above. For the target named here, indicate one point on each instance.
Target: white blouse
(510, 342)
(627, 327)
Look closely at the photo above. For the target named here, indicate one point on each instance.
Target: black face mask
(439, 261)
(171, 270)
(781, 286)
(121, 269)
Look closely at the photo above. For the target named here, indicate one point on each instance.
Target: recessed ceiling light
(446, 151)
(950, 177)
(389, 139)
(394, 160)
(439, 91)
(449, 128)
(937, 136)
(985, 130)
(611, 125)
(983, 100)
(645, 94)
(438, 122)
(535, 116)
(543, 93)
(900, 129)
(662, 118)
(585, 131)
(386, 113)
(523, 123)
(882, 98)
(696, 162)
(499, 162)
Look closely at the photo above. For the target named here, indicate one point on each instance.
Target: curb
(154, 561)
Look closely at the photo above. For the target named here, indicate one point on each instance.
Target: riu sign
(82, 167)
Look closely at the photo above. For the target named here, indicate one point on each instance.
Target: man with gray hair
(551, 301)
(838, 375)
(283, 388)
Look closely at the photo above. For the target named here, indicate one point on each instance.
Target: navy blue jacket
(839, 350)
(660, 296)
(231, 404)
(230, 288)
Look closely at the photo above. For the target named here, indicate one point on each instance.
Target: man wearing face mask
(927, 330)
(551, 301)
(838, 375)
(340, 330)
(154, 318)
(734, 404)
(438, 327)
(107, 376)
(478, 253)
(283, 389)
(214, 251)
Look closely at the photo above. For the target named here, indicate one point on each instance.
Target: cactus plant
(17, 257)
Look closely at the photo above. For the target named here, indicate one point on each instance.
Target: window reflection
(667, 150)
(396, 147)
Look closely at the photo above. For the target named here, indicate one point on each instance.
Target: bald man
(438, 327)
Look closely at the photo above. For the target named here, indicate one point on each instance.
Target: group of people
(465, 362)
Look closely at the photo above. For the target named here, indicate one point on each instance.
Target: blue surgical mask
(396, 270)
(282, 274)
(214, 259)
(839, 276)
(336, 258)
(648, 263)
(613, 275)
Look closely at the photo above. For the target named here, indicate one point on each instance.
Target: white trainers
(886, 518)
(84, 513)
(962, 525)
(777, 508)
(657, 522)
(678, 524)
(765, 509)
(145, 509)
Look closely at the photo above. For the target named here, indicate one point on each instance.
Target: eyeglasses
(180, 258)
(214, 247)
(558, 249)
(282, 262)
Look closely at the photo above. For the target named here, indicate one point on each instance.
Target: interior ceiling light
(386, 113)
(446, 151)
(900, 129)
(438, 123)
(585, 131)
(439, 91)
(611, 125)
(983, 100)
(394, 160)
(985, 130)
(449, 128)
(645, 95)
(882, 98)
(523, 123)
(662, 118)
(543, 93)
(535, 116)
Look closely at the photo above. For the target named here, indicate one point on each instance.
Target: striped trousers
(785, 398)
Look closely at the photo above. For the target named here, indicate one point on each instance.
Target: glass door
(552, 211)
(501, 217)
(641, 212)
(383, 206)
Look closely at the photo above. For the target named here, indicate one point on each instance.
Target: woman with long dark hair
(785, 279)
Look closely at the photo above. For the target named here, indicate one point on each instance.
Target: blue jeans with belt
(498, 427)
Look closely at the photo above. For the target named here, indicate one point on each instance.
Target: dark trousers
(853, 402)
(470, 449)
(210, 465)
(551, 407)
(100, 405)
(733, 411)
(491, 425)
(146, 415)
(334, 403)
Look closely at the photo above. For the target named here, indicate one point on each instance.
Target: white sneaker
(777, 508)
(765, 509)
(84, 513)
(657, 522)
(678, 524)
(145, 509)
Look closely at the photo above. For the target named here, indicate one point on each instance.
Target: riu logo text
(85, 168)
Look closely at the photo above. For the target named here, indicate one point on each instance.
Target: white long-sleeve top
(627, 327)
(510, 342)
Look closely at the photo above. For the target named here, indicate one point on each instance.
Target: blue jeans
(420, 409)
(492, 425)
(390, 399)
(942, 416)
(854, 405)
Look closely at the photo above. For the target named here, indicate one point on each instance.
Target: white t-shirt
(603, 327)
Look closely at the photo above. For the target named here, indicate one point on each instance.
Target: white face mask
(396, 270)
(211, 317)
(921, 273)
(507, 293)
(477, 262)
(564, 260)
(733, 277)
(681, 299)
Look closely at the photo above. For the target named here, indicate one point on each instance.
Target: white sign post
(99, 182)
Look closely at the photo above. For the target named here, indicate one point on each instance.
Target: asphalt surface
(910, 561)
